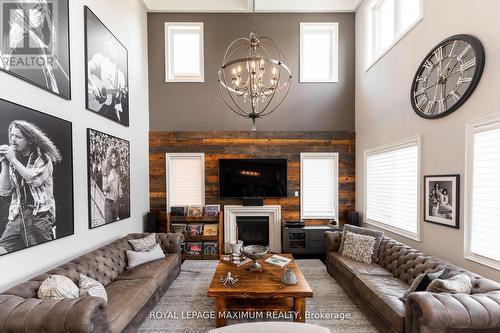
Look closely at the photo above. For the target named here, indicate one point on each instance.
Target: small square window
(319, 52)
(184, 52)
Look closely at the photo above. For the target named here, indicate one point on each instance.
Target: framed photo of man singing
(108, 178)
(442, 200)
(34, 43)
(36, 178)
(106, 68)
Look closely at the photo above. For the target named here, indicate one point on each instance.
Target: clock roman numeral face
(447, 76)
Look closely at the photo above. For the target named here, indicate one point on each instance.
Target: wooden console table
(259, 291)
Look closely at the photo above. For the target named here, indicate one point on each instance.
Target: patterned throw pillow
(364, 231)
(139, 258)
(91, 287)
(58, 287)
(421, 282)
(143, 244)
(460, 283)
(358, 247)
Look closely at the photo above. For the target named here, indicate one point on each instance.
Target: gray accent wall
(384, 113)
(199, 107)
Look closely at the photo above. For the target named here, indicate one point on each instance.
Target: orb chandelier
(254, 78)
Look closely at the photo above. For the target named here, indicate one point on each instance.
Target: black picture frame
(438, 208)
(49, 66)
(98, 151)
(106, 54)
(59, 132)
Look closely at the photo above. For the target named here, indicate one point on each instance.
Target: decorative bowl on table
(255, 252)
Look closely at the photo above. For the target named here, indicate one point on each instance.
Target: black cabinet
(304, 239)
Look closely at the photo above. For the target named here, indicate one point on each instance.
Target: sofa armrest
(332, 240)
(171, 242)
(426, 311)
(85, 314)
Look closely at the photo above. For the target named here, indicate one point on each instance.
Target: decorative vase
(289, 276)
(236, 247)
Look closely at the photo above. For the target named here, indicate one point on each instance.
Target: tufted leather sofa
(132, 293)
(377, 287)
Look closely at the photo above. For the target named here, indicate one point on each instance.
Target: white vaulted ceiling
(221, 6)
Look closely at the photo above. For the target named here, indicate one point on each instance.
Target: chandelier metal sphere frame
(254, 78)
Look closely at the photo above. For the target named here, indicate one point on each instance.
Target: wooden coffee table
(259, 292)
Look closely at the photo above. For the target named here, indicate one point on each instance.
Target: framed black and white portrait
(36, 178)
(106, 67)
(108, 178)
(442, 200)
(34, 45)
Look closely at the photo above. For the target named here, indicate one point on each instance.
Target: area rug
(185, 307)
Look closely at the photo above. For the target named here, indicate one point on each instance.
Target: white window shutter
(185, 179)
(319, 185)
(485, 200)
(391, 187)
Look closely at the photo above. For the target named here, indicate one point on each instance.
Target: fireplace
(253, 230)
(234, 225)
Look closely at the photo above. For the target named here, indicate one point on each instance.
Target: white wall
(384, 113)
(127, 19)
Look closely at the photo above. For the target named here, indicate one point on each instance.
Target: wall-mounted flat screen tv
(252, 178)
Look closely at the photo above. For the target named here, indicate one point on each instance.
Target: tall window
(319, 185)
(482, 229)
(392, 187)
(184, 52)
(386, 22)
(319, 52)
(185, 179)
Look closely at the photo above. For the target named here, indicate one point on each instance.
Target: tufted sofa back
(407, 263)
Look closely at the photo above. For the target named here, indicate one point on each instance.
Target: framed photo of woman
(442, 200)
(108, 178)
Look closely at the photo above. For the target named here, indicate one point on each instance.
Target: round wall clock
(448, 76)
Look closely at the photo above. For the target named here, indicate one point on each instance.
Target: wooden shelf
(200, 219)
(166, 227)
(201, 238)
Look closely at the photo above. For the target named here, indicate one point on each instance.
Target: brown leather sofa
(131, 293)
(377, 287)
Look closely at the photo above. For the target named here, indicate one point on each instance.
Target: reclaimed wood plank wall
(289, 145)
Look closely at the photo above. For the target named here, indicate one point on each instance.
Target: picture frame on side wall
(442, 200)
(106, 71)
(37, 208)
(108, 173)
(34, 43)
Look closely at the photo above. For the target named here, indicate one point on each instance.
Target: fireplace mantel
(272, 211)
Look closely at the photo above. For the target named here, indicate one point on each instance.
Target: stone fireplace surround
(273, 212)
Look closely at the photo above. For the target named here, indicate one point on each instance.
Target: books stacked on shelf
(278, 260)
(193, 248)
(194, 229)
(178, 227)
(195, 211)
(211, 210)
(178, 211)
(210, 248)
(210, 229)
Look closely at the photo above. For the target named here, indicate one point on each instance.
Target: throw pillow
(460, 283)
(91, 287)
(58, 287)
(143, 244)
(139, 258)
(378, 235)
(421, 283)
(359, 247)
